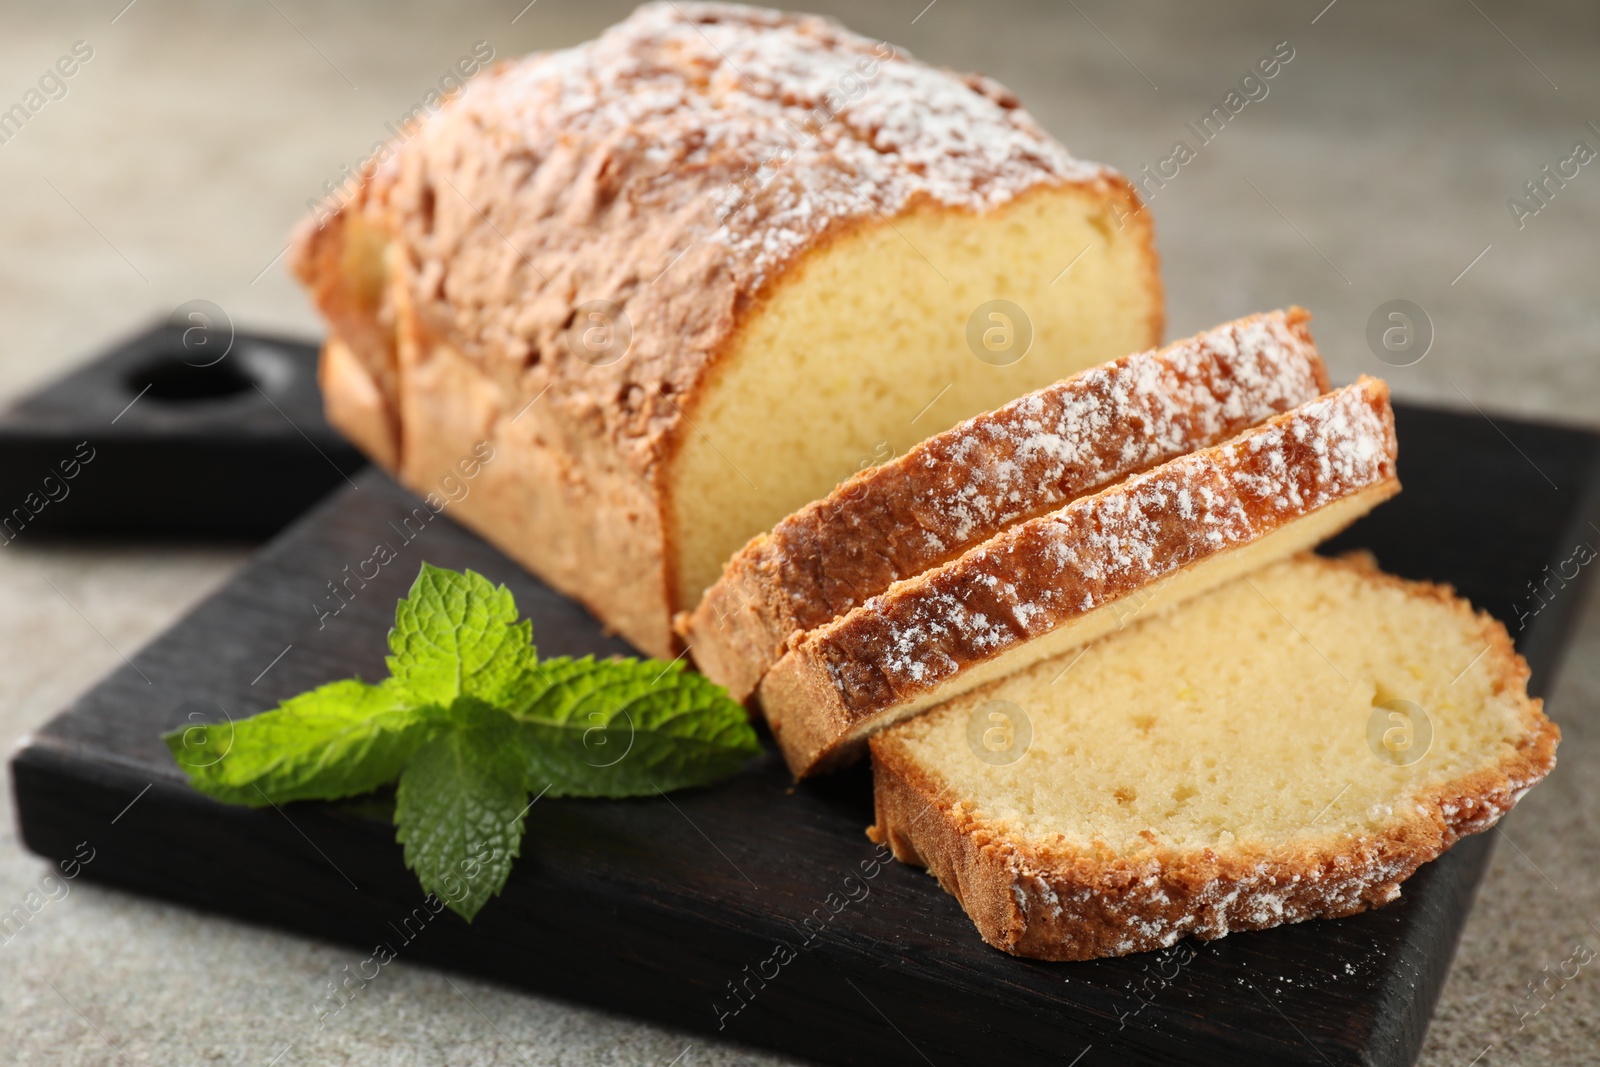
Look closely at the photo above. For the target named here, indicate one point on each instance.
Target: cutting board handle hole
(174, 380)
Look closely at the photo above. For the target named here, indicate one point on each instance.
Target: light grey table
(1378, 167)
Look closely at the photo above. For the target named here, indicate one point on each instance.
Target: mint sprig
(471, 725)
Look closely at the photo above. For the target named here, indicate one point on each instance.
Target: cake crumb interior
(1287, 705)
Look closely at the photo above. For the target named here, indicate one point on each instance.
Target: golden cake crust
(676, 169)
(836, 680)
(959, 488)
(1062, 903)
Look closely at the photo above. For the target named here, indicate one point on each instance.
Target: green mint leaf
(338, 740)
(617, 728)
(456, 634)
(471, 724)
(460, 805)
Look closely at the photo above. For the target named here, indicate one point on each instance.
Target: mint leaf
(456, 634)
(338, 740)
(470, 724)
(460, 806)
(616, 728)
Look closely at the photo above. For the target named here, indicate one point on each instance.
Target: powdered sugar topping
(1111, 547)
(779, 125)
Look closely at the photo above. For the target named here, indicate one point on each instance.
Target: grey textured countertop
(1378, 167)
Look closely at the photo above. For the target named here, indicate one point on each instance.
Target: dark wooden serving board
(180, 431)
(658, 907)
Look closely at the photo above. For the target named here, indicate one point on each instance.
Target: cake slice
(1289, 746)
(1064, 578)
(958, 488)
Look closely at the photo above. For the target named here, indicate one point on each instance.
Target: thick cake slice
(1062, 579)
(957, 489)
(1290, 746)
(609, 266)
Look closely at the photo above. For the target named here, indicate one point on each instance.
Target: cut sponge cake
(1064, 578)
(1290, 746)
(618, 263)
(958, 488)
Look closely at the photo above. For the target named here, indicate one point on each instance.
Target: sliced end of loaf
(1229, 766)
(862, 349)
